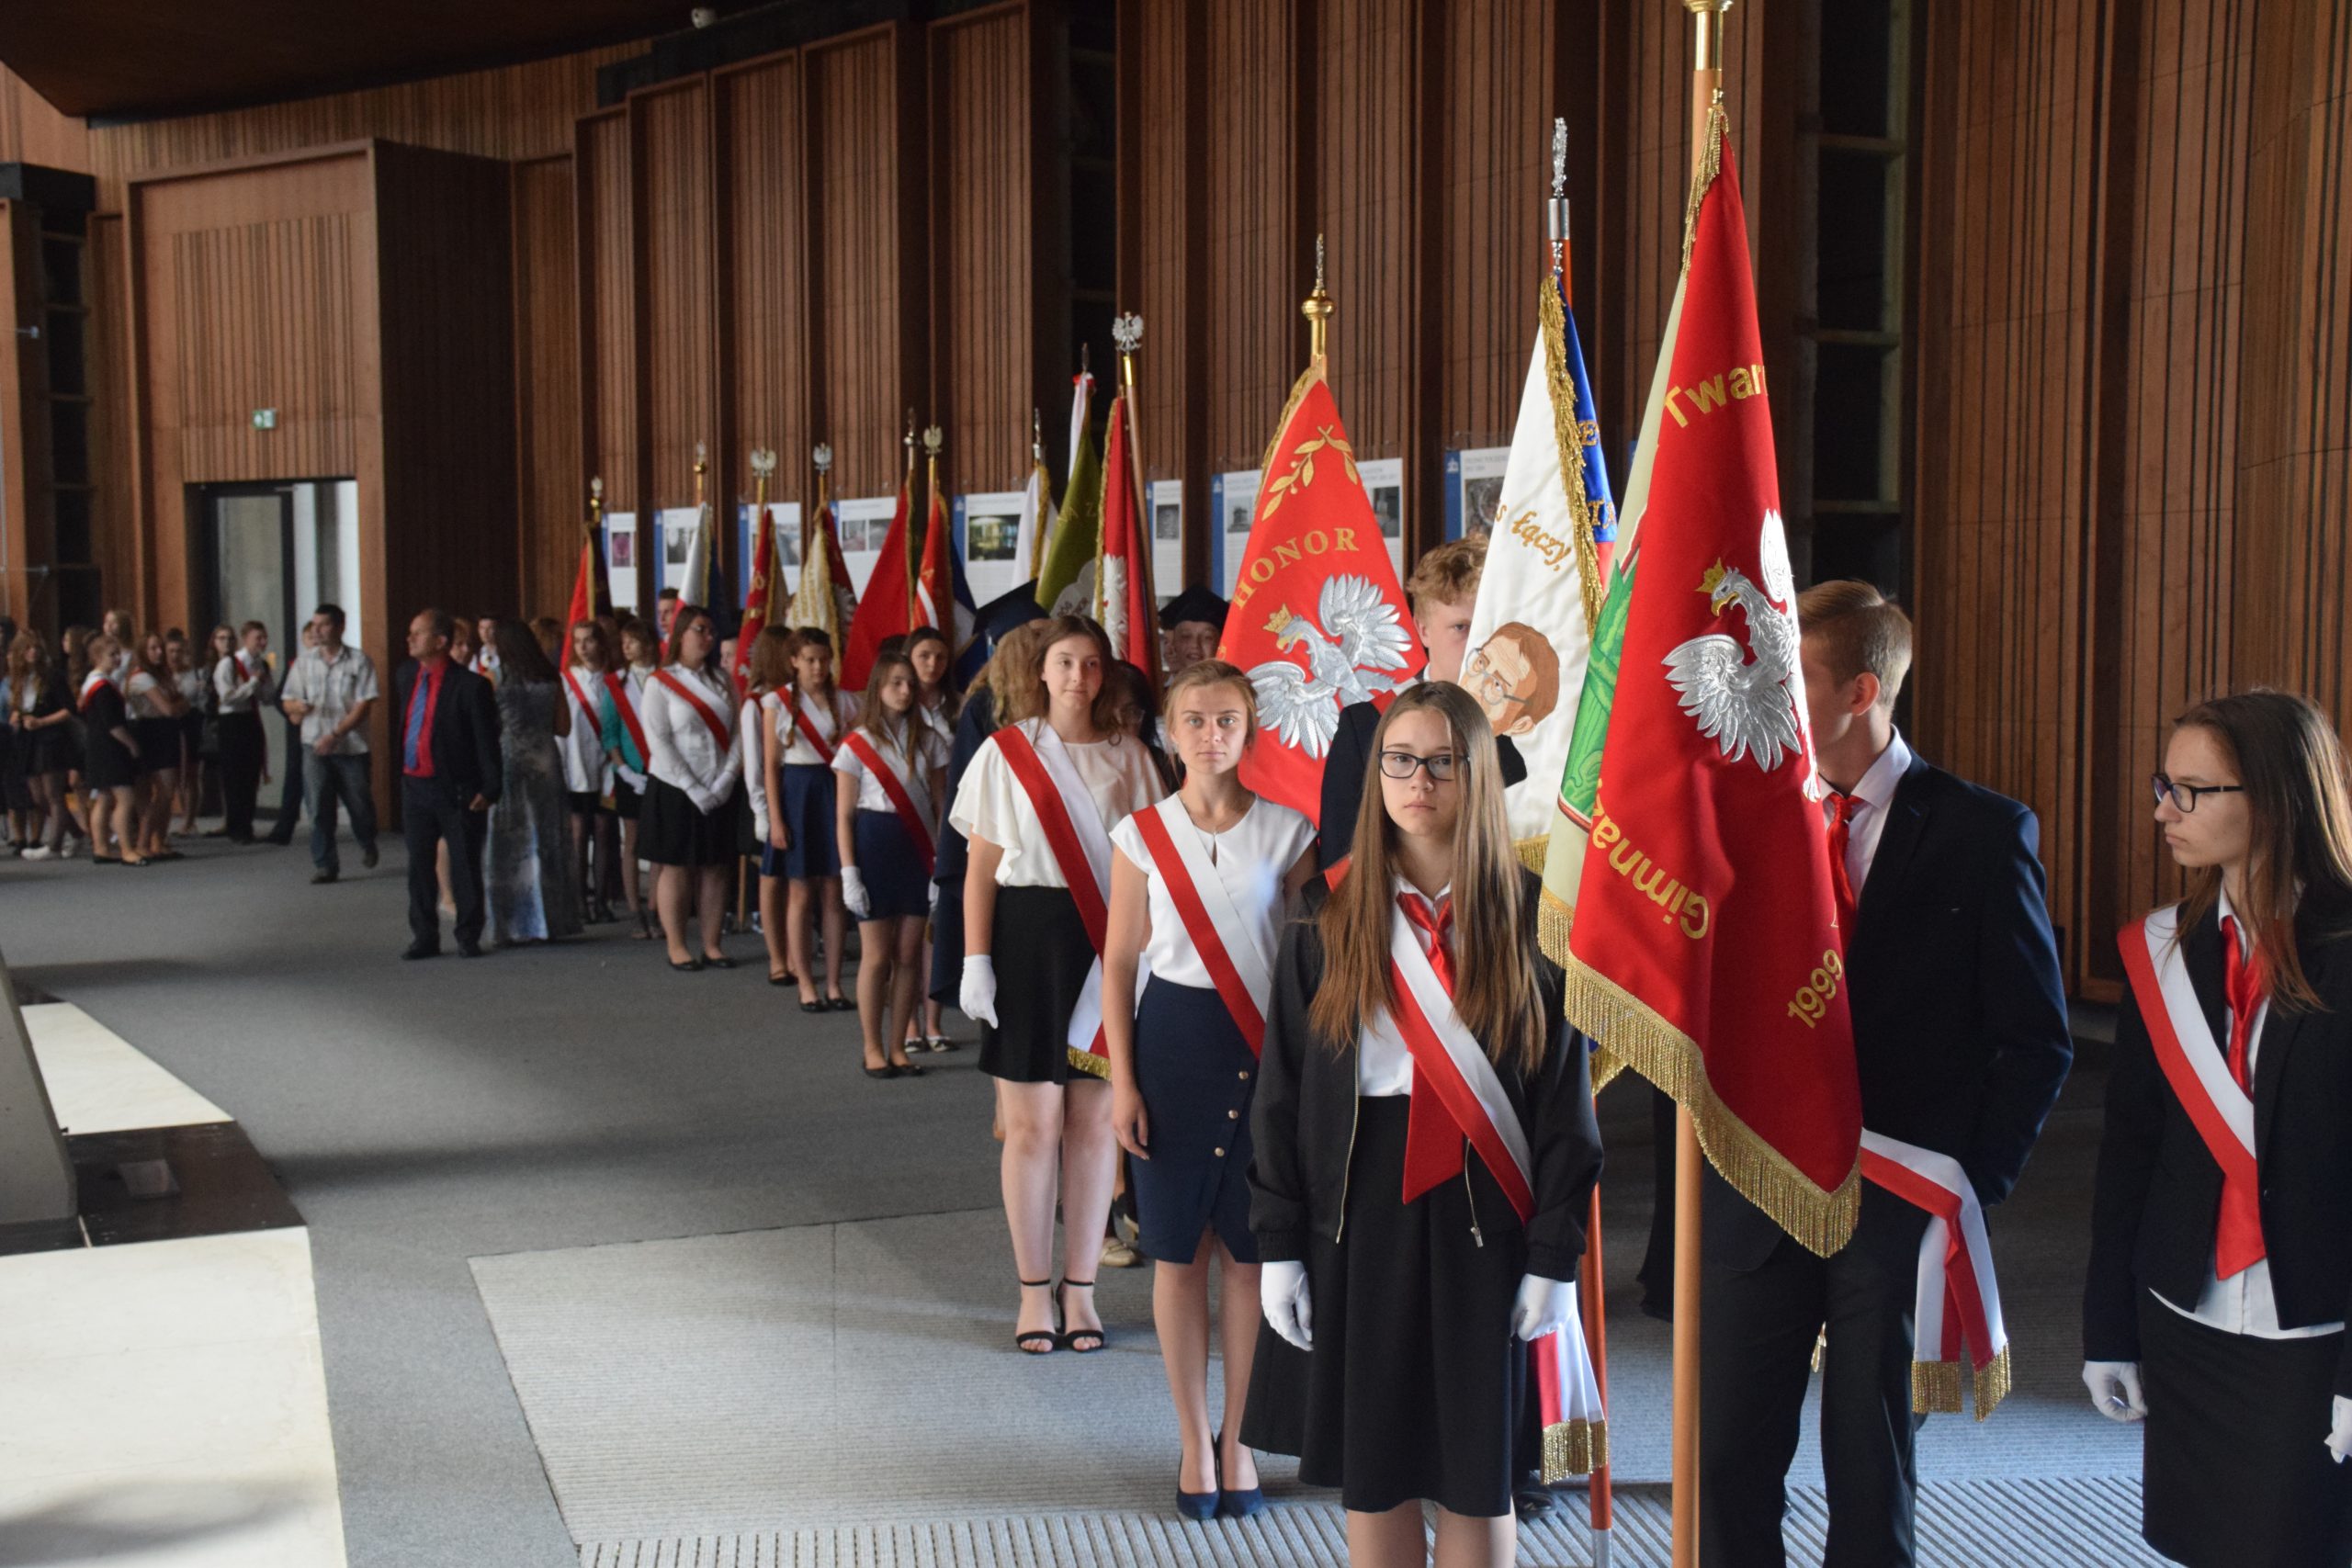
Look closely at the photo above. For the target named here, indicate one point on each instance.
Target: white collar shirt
(1875, 790)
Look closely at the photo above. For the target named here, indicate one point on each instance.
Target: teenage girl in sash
(770, 671)
(1037, 805)
(894, 774)
(1425, 1155)
(587, 764)
(2221, 1263)
(110, 757)
(938, 705)
(688, 827)
(805, 732)
(1198, 886)
(625, 744)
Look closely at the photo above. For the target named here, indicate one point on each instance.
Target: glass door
(249, 531)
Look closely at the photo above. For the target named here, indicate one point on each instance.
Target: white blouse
(930, 759)
(1383, 1065)
(586, 770)
(1251, 858)
(990, 803)
(139, 695)
(751, 756)
(686, 756)
(797, 752)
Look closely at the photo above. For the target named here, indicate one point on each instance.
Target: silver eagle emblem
(1360, 629)
(1746, 699)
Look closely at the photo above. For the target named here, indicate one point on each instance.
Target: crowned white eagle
(1361, 628)
(1746, 699)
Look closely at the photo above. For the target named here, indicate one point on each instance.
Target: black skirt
(896, 886)
(628, 801)
(159, 743)
(1196, 1073)
(1414, 1387)
(1042, 955)
(2236, 1473)
(671, 832)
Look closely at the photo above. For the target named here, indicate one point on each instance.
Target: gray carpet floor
(463, 1133)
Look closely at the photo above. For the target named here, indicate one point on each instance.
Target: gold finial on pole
(1318, 310)
(1036, 437)
(910, 443)
(1127, 332)
(701, 468)
(1706, 67)
(823, 458)
(596, 503)
(762, 465)
(1555, 212)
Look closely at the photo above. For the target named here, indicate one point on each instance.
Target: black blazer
(2159, 1191)
(465, 730)
(1959, 1015)
(1343, 771)
(1302, 1120)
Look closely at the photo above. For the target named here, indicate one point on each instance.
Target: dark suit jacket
(1960, 1016)
(1343, 771)
(2159, 1191)
(465, 730)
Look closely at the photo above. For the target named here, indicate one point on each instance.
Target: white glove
(930, 903)
(853, 893)
(976, 995)
(1281, 1291)
(2339, 1441)
(1545, 1307)
(2115, 1390)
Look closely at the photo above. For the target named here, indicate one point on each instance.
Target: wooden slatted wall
(552, 493)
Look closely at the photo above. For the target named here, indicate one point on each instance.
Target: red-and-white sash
(1241, 969)
(1957, 1312)
(2193, 1063)
(902, 800)
(571, 678)
(624, 701)
(1448, 1059)
(809, 730)
(90, 684)
(710, 716)
(1082, 848)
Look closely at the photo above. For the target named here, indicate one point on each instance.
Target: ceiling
(142, 59)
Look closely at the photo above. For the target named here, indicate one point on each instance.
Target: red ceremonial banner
(1130, 610)
(1318, 619)
(755, 600)
(888, 609)
(935, 583)
(1705, 953)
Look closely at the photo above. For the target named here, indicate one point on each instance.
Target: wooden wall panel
(677, 329)
(607, 310)
(445, 528)
(551, 489)
(1495, 173)
(982, 316)
(2009, 205)
(1259, 244)
(1161, 178)
(1364, 206)
(866, 325)
(763, 346)
(32, 132)
(124, 567)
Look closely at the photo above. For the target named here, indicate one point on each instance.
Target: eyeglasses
(1404, 765)
(2185, 795)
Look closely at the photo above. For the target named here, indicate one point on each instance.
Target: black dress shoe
(721, 962)
(422, 950)
(320, 877)
(469, 949)
(367, 857)
(691, 966)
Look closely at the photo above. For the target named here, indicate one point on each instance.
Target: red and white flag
(1123, 600)
(1318, 619)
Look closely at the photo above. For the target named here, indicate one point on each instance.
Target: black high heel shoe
(1071, 1337)
(1046, 1339)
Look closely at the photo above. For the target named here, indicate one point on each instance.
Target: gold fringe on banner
(1555, 917)
(1633, 1032)
(1710, 165)
(1306, 378)
(1574, 1448)
(1087, 1062)
(1531, 853)
(1567, 434)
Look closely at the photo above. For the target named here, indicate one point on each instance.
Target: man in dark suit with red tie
(1961, 1042)
(451, 771)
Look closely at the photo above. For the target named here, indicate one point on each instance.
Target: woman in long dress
(533, 894)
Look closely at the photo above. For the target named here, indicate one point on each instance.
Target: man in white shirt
(331, 693)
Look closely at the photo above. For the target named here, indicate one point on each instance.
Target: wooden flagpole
(1689, 1162)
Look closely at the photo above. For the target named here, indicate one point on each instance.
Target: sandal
(644, 932)
(787, 978)
(1069, 1337)
(1047, 1340)
(938, 1042)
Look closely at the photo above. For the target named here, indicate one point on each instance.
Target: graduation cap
(1196, 603)
(993, 620)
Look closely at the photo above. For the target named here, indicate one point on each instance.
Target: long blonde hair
(1495, 992)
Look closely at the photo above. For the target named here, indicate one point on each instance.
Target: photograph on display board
(990, 535)
(624, 550)
(1481, 498)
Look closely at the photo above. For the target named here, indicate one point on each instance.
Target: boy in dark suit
(451, 771)
(1961, 1042)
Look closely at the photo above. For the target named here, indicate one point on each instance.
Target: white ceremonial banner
(1529, 642)
(620, 558)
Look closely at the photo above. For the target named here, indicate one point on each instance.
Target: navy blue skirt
(808, 817)
(896, 886)
(1196, 1073)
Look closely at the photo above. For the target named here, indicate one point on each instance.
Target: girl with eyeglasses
(1425, 1155)
(2221, 1265)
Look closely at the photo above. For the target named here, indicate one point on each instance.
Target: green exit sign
(265, 419)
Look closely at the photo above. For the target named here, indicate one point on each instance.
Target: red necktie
(1841, 822)
(1432, 1138)
(2237, 1237)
